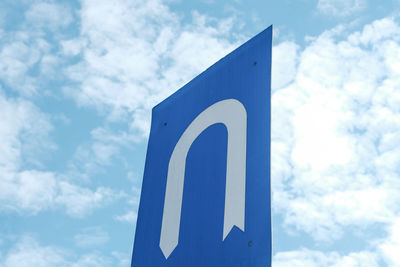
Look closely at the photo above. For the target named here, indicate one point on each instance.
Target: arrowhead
(167, 246)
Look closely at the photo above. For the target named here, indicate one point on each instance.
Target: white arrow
(233, 115)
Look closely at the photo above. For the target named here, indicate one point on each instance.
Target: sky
(78, 80)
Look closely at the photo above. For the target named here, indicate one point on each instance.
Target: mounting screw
(255, 63)
(250, 243)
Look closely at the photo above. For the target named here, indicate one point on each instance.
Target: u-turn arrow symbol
(233, 115)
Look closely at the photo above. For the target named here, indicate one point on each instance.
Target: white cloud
(91, 237)
(124, 259)
(28, 252)
(48, 15)
(133, 202)
(340, 7)
(48, 66)
(24, 135)
(130, 217)
(20, 54)
(375, 32)
(92, 260)
(136, 53)
(334, 127)
(284, 64)
(391, 246)
(308, 258)
(80, 201)
(104, 148)
(33, 191)
(20, 119)
(72, 47)
(30, 58)
(27, 191)
(91, 158)
(24, 131)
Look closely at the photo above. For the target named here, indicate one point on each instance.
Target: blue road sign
(206, 189)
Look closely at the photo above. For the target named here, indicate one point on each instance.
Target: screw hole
(165, 124)
(250, 243)
(255, 63)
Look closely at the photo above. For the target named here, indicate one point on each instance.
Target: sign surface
(206, 189)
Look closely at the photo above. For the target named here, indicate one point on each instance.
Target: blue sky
(78, 80)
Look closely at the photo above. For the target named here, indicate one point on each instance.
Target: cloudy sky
(77, 82)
